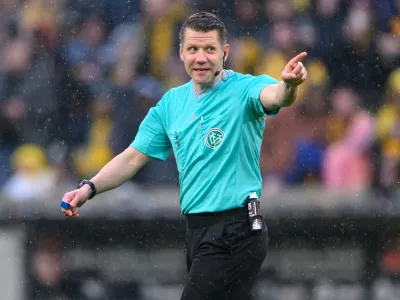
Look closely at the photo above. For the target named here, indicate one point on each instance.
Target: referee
(214, 124)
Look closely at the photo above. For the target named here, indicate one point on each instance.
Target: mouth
(201, 69)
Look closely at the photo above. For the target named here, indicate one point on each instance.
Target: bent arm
(284, 93)
(119, 170)
(278, 95)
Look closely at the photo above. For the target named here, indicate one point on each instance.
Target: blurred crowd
(77, 77)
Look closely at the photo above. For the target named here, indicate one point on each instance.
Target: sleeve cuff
(156, 155)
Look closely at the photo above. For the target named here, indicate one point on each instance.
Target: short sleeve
(254, 90)
(152, 138)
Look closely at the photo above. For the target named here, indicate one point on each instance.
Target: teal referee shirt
(216, 137)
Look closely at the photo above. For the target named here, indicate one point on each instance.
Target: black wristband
(92, 187)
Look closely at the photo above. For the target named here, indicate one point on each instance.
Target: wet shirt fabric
(216, 137)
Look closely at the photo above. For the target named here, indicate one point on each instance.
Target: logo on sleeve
(214, 138)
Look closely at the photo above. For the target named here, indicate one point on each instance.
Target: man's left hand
(295, 73)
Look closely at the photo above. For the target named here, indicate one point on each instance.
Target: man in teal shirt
(216, 136)
(214, 124)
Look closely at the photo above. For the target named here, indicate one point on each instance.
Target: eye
(192, 49)
(211, 49)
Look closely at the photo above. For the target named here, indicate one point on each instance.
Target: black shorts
(223, 255)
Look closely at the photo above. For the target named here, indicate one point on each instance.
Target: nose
(201, 57)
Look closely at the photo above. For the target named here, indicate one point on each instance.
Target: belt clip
(254, 212)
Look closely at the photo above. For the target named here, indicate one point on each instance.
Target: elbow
(134, 158)
(139, 160)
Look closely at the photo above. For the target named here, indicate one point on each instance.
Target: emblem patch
(214, 138)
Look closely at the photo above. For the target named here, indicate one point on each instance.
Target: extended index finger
(298, 58)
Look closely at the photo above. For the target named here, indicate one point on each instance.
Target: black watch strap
(92, 187)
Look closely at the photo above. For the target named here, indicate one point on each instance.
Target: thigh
(206, 255)
(210, 284)
(226, 266)
(248, 256)
(205, 280)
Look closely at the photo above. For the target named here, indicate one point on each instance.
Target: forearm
(278, 95)
(285, 94)
(119, 170)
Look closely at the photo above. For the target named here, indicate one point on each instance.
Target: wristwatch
(92, 187)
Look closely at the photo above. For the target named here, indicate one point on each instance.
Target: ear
(181, 52)
(226, 51)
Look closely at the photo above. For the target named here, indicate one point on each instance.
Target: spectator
(47, 270)
(388, 130)
(32, 178)
(347, 163)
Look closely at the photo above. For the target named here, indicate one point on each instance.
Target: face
(327, 7)
(344, 102)
(202, 54)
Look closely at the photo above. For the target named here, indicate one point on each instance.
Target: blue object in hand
(65, 205)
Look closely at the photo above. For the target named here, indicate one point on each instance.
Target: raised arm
(284, 93)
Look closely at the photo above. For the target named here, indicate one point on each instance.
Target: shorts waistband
(208, 219)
